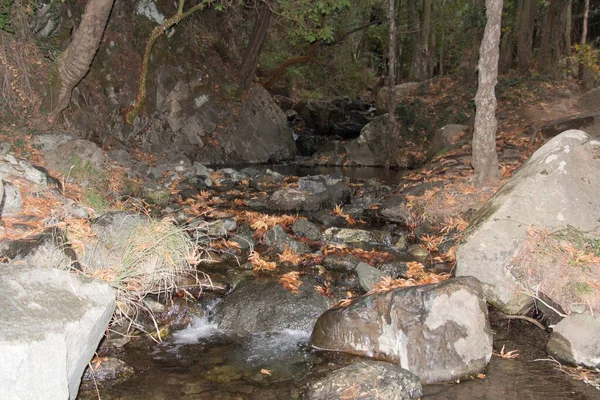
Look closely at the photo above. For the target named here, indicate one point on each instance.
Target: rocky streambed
(312, 287)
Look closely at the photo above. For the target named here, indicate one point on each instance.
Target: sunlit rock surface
(556, 188)
(439, 332)
(50, 326)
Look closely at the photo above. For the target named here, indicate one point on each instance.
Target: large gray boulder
(556, 188)
(439, 332)
(576, 340)
(257, 306)
(11, 166)
(50, 326)
(373, 380)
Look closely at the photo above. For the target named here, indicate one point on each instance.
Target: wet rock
(401, 243)
(368, 276)
(446, 137)
(576, 340)
(307, 229)
(277, 238)
(107, 369)
(556, 188)
(373, 379)
(346, 235)
(418, 252)
(291, 199)
(202, 229)
(265, 306)
(11, 166)
(345, 262)
(394, 269)
(439, 332)
(61, 319)
(234, 175)
(11, 202)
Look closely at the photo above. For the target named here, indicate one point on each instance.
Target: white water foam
(199, 328)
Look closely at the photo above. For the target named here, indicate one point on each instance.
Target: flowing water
(204, 362)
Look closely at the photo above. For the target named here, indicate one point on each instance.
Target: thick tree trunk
(525, 23)
(391, 78)
(421, 58)
(74, 63)
(553, 37)
(259, 34)
(485, 159)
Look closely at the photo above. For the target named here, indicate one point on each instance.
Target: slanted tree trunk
(259, 34)
(485, 159)
(74, 63)
(391, 78)
(525, 23)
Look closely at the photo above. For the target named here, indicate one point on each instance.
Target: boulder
(78, 153)
(446, 137)
(588, 121)
(306, 229)
(590, 101)
(368, 276)
(556, 188)
(12, 202)
(256, 306)
(439, 332)
(11, 166)
(372, 379)
(576, 340)
(322, 114)
(277, 238)
(48, 250)
(47, 142)
(313, 194)
(50, 326)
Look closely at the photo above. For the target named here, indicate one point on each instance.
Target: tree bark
(553, 37)
(391, 78)
(485, 159)
(525, 23)
(74, 63)
(419, 66)
(259, 34)
(584, 30)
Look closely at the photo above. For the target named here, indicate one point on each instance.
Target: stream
(205, 362)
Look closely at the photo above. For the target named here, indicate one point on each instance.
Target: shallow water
(202, 362)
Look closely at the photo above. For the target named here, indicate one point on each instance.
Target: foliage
(588, 58)
(309, 20)
(5, 20)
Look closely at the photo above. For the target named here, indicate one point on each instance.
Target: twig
(525, 318)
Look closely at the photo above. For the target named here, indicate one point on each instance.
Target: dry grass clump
(564, 266)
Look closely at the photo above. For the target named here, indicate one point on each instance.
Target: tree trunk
(525, 23)
(508, 43)
(584, 29)
(259, 34)
(485, 159)
(74, 63)
(419, 66)
(553, 37)
(391, 78)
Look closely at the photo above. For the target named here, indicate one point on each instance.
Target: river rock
(373, 380)
(256, 306)
(47, 250)
(347, 235)
(277, 238)
(203, 229)
(439, 332)
(107, 369)
(556, 188)
(368, 276)
(50, 326)
(576, 340)
(306, 229)
(395, 208)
